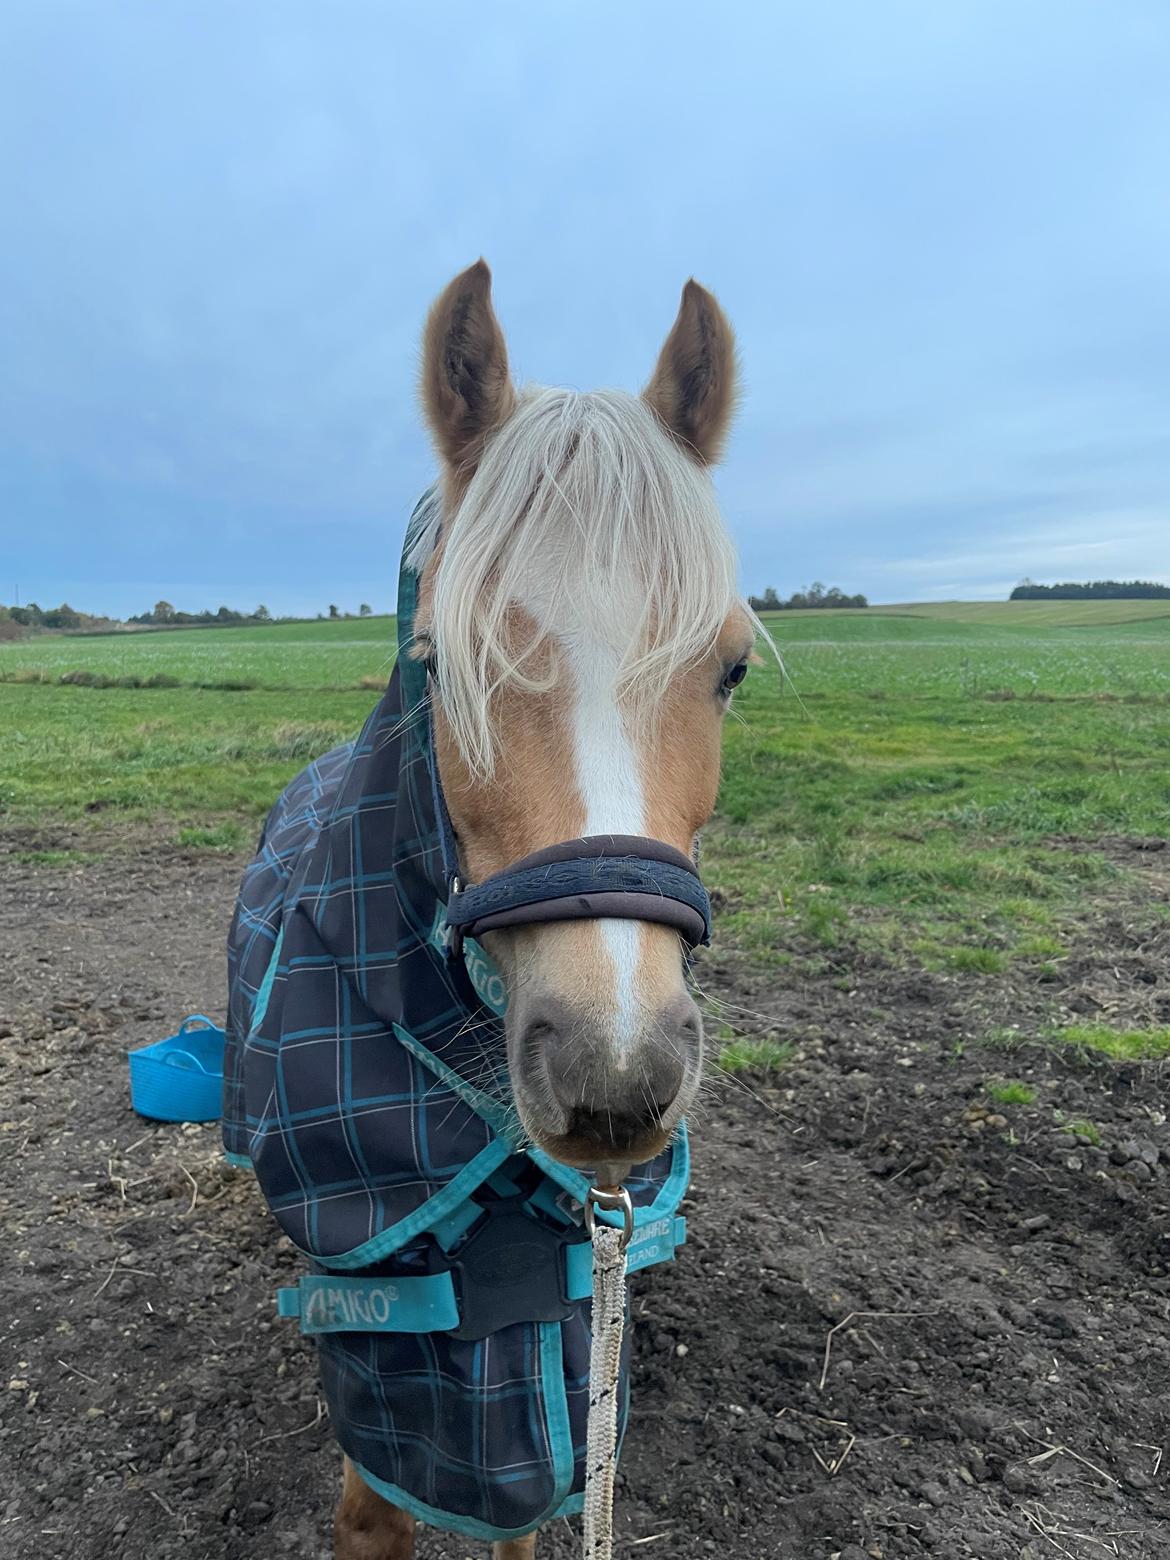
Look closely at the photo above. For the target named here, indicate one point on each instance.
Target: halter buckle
(453, 935)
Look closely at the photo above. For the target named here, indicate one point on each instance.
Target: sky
(942, 232)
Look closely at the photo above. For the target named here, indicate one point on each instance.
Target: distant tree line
(1093, 590)
(164, 615)
(814, 595)
(13, 620)
(33, 616)
(18, 621)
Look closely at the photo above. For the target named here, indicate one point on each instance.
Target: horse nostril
(690, 1030)
(546, 1046)
(538, 1040)
(661, 1080)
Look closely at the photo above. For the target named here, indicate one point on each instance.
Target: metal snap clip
(611, 1199)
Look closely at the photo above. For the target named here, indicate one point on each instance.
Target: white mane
(585, 504)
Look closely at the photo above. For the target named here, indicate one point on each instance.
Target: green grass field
(1118, 649)
(280, 656)
(905, 782)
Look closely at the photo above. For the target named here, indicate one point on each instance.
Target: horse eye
(430, 659)
(734, 676)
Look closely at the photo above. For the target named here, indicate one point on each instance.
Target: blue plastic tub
(180, 1078)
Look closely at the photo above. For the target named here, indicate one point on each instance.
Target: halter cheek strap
(627, 877)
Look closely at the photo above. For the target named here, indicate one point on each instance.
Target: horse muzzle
(590, 1100)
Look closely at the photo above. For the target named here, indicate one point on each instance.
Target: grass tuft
(977, 961)
(1086, 1129)
(1010, 1091)
(1040, 947)
(1004, 1037)
(1123, 1045)
(221, 836)
(52, 858)
(754, 1055)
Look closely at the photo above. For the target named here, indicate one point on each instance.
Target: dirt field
(909, 1321)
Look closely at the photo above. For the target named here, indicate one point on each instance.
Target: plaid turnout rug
(366, 1084)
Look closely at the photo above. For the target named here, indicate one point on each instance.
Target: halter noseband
(628, 877)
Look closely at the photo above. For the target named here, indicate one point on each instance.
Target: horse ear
(694, 386)
(466, 391)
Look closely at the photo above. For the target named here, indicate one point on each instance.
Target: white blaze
(615, 803)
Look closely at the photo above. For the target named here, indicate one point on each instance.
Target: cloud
(1120, 545)
(944, 248)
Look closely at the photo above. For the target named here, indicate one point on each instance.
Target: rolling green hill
(1028, 615)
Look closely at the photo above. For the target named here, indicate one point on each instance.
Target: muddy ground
(908, 1322)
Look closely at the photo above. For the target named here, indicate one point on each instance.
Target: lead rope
(605, 1364)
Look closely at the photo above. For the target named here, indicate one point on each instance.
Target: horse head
(580, 622)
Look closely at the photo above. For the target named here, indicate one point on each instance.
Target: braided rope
(605, 1363)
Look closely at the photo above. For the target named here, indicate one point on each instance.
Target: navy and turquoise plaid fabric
(366, 1083)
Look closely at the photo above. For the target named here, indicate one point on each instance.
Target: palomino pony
(570, 635)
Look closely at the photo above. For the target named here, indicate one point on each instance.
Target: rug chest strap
(426, 1303)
